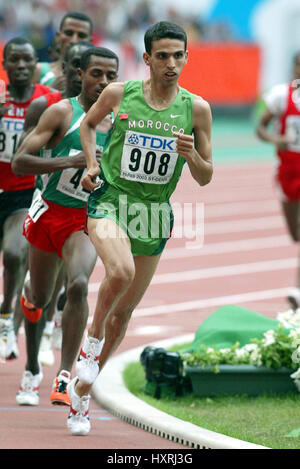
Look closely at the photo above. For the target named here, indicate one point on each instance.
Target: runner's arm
(264, 134)
(27, 158)
(108, 102)
(34, 112)
(196, 149)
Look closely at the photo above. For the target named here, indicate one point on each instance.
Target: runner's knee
(120, 277)
(12, 261)
(77, 289)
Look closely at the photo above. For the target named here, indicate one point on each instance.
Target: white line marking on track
(225, 271)
(211, 302)
(251, 244)
(216, 272)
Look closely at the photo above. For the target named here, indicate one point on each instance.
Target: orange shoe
(32, 313)
(59, 394)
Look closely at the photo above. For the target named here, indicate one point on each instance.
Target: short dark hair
(79, 43)
(161, 30)
(77, 15)
(16, 40)
(100, 52)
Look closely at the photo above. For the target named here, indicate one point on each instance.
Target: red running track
(247, 259)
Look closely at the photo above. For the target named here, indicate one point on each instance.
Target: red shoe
(32, 313)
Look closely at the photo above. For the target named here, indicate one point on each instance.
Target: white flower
(289, 318)
(269, 338)
(295, 334)
(224, 350)
(296, 374)
(250, 347)
(241, 352)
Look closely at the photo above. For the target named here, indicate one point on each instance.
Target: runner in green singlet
(56, 220)
(158, 127)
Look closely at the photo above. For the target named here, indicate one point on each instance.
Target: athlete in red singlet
(19, 61)
(283, 105)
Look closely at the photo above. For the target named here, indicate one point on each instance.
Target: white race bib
(293, 130)
(10, 132)
(70, 181)
(38, 206)
(148, 158)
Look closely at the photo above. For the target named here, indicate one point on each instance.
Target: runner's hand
(3, 107)
(91, 180)
(184, 144)
(282, 141)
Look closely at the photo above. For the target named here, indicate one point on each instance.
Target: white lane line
(212, 302)
(225, 271)
(240, 208)
(217, 272)
(250, 244)
(228, 195)
(231, 226)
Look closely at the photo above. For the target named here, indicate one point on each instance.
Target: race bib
(10, 133)
(148, 158)
(38, 206)
(70, 181)
(293, 131)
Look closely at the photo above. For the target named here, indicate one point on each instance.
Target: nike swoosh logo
(173, 116)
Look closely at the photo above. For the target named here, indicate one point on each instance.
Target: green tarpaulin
(231, 324)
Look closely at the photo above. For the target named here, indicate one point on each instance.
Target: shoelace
(62, 385)
(27, 384)
(90, 354)
(5, 327)
(83, 407)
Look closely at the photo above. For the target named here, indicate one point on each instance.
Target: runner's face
(166, 60)
(20, 63)
(71, 69)
(100, 72)
(73, 31)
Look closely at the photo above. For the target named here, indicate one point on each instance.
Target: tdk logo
(13, 125)
(155, 143)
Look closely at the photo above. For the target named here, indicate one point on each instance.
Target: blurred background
(237, 49)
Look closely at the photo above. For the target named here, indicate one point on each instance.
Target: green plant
(278, 348)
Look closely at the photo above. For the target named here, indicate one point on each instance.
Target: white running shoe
(57, 330)
(28, 393)
(78, 420)
(87, 365)
(46, 355)
(8, 340)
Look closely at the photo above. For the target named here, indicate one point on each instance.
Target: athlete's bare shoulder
(114, 91)
(201, 105)
(61, 109)
(202, 111)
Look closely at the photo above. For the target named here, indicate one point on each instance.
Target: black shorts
(11, 202)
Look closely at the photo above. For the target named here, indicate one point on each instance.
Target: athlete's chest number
(12, 144)
(76, 179)
(149, 162)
